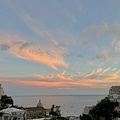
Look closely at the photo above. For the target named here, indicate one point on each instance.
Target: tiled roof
(34, 108)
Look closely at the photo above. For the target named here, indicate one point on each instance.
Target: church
(36, 112)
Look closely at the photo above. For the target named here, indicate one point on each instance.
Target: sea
(70, 105)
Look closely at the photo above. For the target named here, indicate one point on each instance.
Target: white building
(114, 94)
(13, 113)
(114, 90)
(1, 91)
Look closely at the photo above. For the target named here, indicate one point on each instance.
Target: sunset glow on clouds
(49, 46)
(55, 77)
(60, 81)
(24, 50)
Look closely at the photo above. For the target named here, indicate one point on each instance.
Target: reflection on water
(70, 105)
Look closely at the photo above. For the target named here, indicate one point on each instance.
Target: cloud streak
(95, 75)
(103, 29)
(59, 77)
(111, 33)
(94, 79)
(20, 48)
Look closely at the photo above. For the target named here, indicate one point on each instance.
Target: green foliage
(85, 117)
(52, 108)
(102, 118)
(104, 109)
(53, 113)
(5, 101)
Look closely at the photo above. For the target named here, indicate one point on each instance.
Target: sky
(59, 47)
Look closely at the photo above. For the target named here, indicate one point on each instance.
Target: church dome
(39, 104)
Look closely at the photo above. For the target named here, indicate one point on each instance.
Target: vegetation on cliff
(104, 110)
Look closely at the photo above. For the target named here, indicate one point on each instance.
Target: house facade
(1, 91)
(13, 114)
(114, 90)
(35, 112)
(114, 94)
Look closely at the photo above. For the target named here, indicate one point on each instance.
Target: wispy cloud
(112, 31)
(39, 28)
(105, 53)
(102, 57)
(97, 29)
(58, 77)
(80, 55)
(89, 74)
(103, 29)
(94, 79)
(104, 71)
(95, 75)
(20, 48)
(113, 69)
(113, 76)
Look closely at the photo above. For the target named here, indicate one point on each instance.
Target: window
(6, 117)
(14, 113)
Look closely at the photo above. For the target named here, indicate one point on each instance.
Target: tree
(85, 117)
(6, 101)
(104, 109)
(102, 118)
(52, 112)
(52, 108)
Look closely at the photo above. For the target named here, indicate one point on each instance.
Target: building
(36, 112)
(39, 104)
(1, 91)
(5, 116)
(117, 109)
(47, 112)
(114, 90)
(114, 94)
(87, 109)
(114, 98)
(13, 114)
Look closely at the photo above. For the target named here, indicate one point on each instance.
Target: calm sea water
(70, 104)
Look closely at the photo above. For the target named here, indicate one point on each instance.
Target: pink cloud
(60, 81)
(58, 77)
(113, 76)
(20, 48)
(89, 74)
(104, 71)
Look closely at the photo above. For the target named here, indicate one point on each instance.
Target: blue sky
(59, 47)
